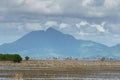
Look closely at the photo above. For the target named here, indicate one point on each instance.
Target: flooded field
(63, 79)
(60, 70)
(85, 76)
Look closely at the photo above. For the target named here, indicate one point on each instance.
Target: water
(89, 76)
(64, 79)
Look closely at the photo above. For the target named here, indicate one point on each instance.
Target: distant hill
(53, 43)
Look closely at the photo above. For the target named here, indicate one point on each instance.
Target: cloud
(78, 8)
(100, 28)
(85, 26)
(82, 23)
(42, 6)
(91, 8)
(51, 23)
(82, 33)
(63, 25)
(20, 7)
(84, 19)
(113, 28)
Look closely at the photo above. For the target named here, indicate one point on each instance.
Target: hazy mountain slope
(53, 43)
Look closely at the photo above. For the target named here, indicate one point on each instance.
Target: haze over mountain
(53, 43)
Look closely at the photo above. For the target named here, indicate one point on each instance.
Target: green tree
(10, 57)
(27, 58)
(17, 58)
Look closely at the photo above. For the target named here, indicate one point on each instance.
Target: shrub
(27, 58)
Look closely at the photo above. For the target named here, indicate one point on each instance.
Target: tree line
(11, 57)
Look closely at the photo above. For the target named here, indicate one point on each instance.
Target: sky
(96, 20)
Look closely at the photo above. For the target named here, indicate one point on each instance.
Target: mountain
(53, 43)
(115, 51)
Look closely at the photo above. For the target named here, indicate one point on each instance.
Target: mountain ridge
(52, 43)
